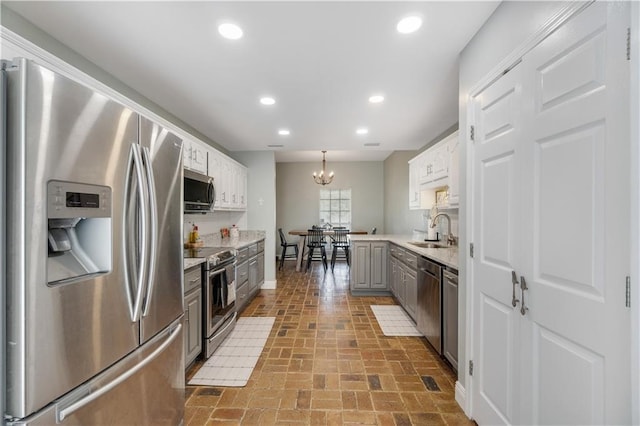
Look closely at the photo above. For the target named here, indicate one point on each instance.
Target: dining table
(302, 234)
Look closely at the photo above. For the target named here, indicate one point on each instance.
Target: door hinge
(471, 368)
(471, 249)
(627, 302)
(628, 44)
(472, 132)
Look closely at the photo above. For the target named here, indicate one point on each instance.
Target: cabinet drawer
(192, 278)
(243, 254)
(242, 294)
(242, 273)
(253, 250)
(260, 246)
(396, 252)
(410, 259)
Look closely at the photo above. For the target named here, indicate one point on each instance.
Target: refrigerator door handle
(70, 409)
(153, 234)
(142, 192)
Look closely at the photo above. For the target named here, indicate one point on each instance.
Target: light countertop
(447, 256)
(245, 239)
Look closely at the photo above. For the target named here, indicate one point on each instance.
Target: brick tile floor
(326, 362)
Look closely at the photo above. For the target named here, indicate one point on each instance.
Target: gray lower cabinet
(404, 278)
(410, 291)
(253, 274)
(193, 332)
(368, 272)
(250, 273)
(450, 316)
(192, 314)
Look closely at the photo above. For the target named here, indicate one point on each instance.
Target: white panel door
(575, 334)
(496, 223)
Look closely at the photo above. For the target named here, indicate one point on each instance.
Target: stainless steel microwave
(199, 192)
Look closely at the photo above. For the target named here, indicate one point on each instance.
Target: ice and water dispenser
(79, 231)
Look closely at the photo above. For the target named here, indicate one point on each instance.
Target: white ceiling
(320, 60)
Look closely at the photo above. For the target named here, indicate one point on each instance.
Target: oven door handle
(216, 273)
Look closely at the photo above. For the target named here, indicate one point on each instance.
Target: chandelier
(322, 178)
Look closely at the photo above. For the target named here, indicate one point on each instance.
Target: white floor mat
(233, 362)
(394, 321)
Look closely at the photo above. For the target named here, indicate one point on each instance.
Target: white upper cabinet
(434, 163)
(414, 184)
(194, 156)
(454, 169)
(230, 179)
(433, 169)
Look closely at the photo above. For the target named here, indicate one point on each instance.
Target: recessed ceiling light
(230, 31)
(376, 99)
(284, 132)
(267, 100)
(409, 24)
(362, 131)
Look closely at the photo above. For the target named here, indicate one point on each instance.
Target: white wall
(509, 26)
(261, 204)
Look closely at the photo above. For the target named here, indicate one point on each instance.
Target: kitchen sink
(426, 244)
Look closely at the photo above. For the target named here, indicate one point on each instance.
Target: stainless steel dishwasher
(450, 316)
(429, 311)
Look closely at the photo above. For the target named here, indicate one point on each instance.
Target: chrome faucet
(451, 240)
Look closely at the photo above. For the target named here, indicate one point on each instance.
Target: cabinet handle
(514, 281)
(193, 281)
(523, 287)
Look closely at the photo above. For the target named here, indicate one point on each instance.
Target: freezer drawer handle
(62, 414)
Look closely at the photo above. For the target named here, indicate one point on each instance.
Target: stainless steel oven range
(219, 294)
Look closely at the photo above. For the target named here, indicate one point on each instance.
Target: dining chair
(315, 240)
(340, 242)
(285, 245)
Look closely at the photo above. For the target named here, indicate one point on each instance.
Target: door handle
(523, 287)
(153, 237)
(514, 282)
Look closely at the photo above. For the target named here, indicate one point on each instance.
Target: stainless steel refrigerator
(93, 257)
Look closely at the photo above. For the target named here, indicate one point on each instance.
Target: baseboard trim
(269, 285)
(461, 397)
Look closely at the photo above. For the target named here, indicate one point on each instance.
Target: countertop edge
(446, 256)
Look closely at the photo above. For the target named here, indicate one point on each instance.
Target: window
(335, 207)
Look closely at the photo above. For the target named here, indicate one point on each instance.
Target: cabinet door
(401, 283)
(454, 170)
(360, 266)
(450, 321)
(253, 274)
(198, 158)
(425, 165)
(242, 296)
(242, 187)
(186, 154)
(440, 161)
(379, 278)
(411, 291)
(393, 265)
(214, 170)
(260, 268)
(193, 318)
(414, 185)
